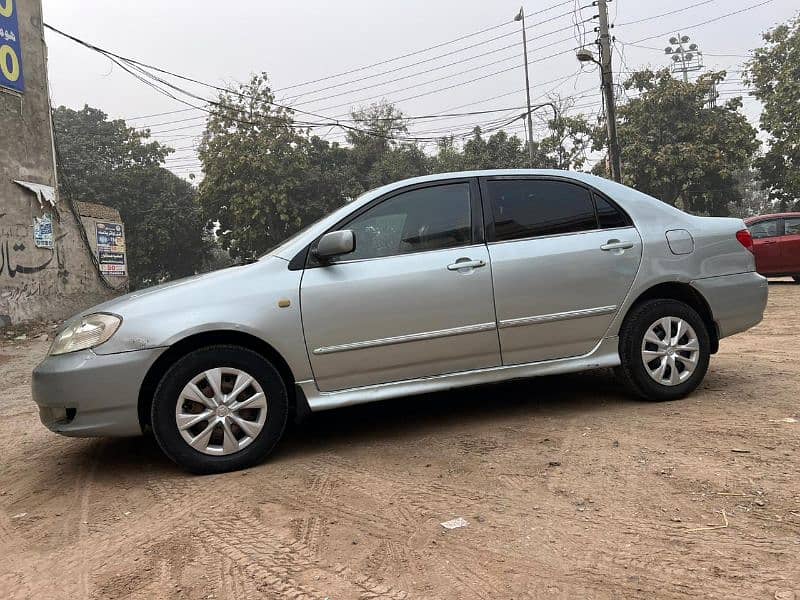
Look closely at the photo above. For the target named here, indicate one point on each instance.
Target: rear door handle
(466, 263)
(616, 245)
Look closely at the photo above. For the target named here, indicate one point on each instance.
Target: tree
(570, 138)
(264, 177)
(498, 151)
(774, 71)
(110, 163)
(677, 148)
(376, 155)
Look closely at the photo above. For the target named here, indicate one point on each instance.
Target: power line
(427, 60)
(671, 12)
(713, 20)
(416, 52)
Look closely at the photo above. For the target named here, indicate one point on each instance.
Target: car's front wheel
(665, 348)
(219, 408)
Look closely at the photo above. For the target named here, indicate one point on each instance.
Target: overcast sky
(225, 42)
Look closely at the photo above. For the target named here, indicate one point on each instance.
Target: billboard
(110, 247)
(10, 53)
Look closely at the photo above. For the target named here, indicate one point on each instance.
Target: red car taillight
(745, 239)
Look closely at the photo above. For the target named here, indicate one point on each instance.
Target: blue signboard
(10, 52)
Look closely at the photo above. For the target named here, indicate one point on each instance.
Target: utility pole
(607, 79)
(521, 17)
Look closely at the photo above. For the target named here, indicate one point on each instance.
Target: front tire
(665, 349)
(219, 408)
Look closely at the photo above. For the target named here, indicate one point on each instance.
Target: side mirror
(335, 243)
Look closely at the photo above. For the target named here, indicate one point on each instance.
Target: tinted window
(791, 226)
(764, 229)
(532, 208)
(425, 219)
(609, 215)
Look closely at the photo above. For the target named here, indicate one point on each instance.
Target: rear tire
(231, 404)
(658, 365)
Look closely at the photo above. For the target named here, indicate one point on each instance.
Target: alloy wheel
(221, 411)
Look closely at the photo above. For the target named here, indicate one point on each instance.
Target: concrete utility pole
(521, 17)
(607, 78)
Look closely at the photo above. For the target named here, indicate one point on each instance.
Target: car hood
(164, 292)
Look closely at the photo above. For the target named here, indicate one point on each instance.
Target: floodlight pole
(521, 17)
(607, 78)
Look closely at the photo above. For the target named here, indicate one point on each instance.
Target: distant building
(106, 234)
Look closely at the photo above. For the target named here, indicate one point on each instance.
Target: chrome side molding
(400, 339)
(560, 316)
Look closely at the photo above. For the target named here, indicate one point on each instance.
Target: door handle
(768, 242)
(616, 245)
(466, 263)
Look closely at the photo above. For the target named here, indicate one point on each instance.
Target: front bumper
(84, 394)
(736, 301)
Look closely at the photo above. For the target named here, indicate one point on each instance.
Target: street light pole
(521, 17)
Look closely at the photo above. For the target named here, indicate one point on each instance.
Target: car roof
(757, 218)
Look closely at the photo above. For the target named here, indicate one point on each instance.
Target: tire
(796, 278)
(635, 373)
(263, 413)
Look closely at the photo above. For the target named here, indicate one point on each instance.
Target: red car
(776, 244)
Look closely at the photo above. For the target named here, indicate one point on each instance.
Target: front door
(563, 260)
(413, 300)
(766, 249)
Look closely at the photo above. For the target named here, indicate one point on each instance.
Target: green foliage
(377, 157)
(109, 163)
(677, 148)
(264, 178)
(774, 71)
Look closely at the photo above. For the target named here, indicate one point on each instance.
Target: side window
(609, 216)
(431, 218)
(764, 229)
(528, 208)
(791, 226)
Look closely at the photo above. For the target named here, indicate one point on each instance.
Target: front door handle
(616, 245)
(466, 263)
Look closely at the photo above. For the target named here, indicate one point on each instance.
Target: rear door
(766, 235)
(413, 300)
(563, 259)
(789, 244)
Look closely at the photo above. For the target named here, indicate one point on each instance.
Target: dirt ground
(570, 489)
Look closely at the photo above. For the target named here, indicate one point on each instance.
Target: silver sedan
(426, 284)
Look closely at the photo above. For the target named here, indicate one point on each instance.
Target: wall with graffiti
(46, 269)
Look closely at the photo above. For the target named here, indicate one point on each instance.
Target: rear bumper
(737, 302)
(83, 394)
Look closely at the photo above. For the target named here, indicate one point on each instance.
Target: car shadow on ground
(443, 414)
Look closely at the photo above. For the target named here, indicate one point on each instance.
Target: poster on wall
(43, 231)
(111, 248)
(10, 52)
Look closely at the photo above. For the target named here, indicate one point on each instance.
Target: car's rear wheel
(219, 408)
(665, 348)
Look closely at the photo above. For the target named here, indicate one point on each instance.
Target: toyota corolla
(426, 284)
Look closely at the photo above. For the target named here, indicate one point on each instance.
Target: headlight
(88, 332)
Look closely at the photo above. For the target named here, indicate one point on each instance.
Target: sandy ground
(571, 490)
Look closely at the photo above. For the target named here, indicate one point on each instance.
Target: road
(570, 490)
